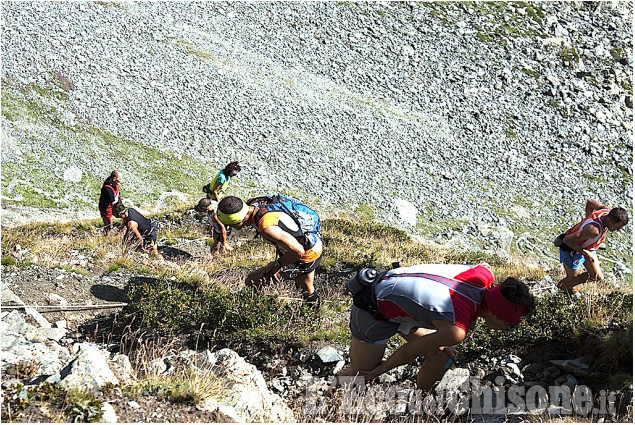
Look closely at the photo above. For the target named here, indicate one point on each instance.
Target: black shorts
(297, 269)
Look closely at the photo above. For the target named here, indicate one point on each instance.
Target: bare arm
(134, 227)
(592, 205)
(223, 232)
(216, 191)
(294, 250)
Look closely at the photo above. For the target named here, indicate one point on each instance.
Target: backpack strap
(471, 292)
(259, 214)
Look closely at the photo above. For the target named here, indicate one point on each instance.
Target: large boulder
(248, 392)
(22, 343)
(89, 371)
(245, 397)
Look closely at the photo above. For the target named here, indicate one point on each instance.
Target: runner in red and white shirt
(581, 241)
(433, 306)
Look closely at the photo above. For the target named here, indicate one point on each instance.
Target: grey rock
(13, 322)
(50, 357)
(577, 367)
(35, 315)
(89, 371)
(54, 334)
(328, 355)
(55, 299)
(250, 396)
(454, 379)
(109, 415)
(122, 368)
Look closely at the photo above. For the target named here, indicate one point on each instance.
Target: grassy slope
(209, 290)
(53, 134)
(202, 302)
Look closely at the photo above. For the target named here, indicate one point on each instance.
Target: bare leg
(593, 270)
(153, 249)
(108, 224)
(573, 278)
(305, 283)
(433, 368)
(364, 356)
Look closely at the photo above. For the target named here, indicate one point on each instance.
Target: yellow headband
(234, 218)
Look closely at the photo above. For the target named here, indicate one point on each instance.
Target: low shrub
(213, 313)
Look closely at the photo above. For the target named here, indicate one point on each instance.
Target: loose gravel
(439, 116)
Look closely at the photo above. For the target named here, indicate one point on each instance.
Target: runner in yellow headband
(298, 253)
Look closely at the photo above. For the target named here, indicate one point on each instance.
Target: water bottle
(360, 281)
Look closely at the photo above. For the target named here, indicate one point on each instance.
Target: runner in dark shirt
(108, 197)
(139, 230)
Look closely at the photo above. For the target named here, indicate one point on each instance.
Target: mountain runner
(219, 230)
(216, 189)
(289, 225)
(578, 244)
(139, 230)
(109, 195)
(433, 306)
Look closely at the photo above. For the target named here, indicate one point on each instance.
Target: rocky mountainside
(448, 119)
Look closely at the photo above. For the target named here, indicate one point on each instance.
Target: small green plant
(616, 53)
(113, 268)
(74, 269)
(8, 261)
(75, 405)
(81, 406)
(23, 369)
(531, 72)
(510, 133)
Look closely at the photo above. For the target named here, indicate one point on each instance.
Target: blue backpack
(306, 218)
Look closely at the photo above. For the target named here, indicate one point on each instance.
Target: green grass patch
(211, 311)
(72, 405)
(74, 269)
(185, 386)
(58, 138)
(531, 72)
(570, 57)
(8, 261)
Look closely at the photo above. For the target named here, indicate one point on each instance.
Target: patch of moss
(531, 72)
(8, 261)
(74, 269)
(570, 57)
(616, 53)
(366, 212)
